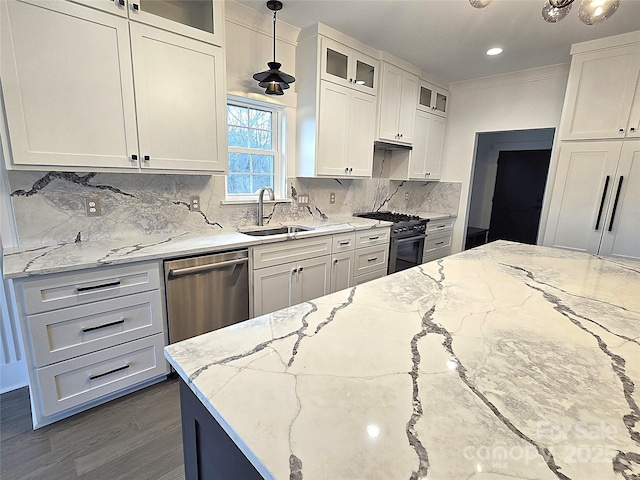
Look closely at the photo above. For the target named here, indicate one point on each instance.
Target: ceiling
(448, 38)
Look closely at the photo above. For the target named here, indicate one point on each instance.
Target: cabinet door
(181, 99)
(600, 93)
(581, 195)
(67, 85)
(313, 279)
(621, 237)
(333, 130)
(434, 148)
(428, 143)
(365, 73)
(334, 62)
(407, 107)
(633, 128)
(199, 19)
(390, 98)
(362, 117)
(432, 99)
(341, 271)
(272, 288)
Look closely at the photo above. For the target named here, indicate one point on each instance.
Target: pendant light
(273, 80)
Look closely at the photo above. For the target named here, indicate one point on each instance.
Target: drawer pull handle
(372, 259)
(374, 238)
(110, 324)
(119, 369)
(344, 243)
(95, 287)
(439, 243)
(441, 226)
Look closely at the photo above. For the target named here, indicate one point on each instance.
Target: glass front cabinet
(199, 19)
(343, 65)
(433, 99)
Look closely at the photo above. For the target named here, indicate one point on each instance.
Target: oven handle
(410, 239)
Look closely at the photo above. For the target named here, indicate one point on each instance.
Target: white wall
(517, 101)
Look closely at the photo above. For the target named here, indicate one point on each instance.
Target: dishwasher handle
(203, 268)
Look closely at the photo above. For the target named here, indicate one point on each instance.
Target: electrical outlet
(194, 204)
(92, 206)
(406, 196)
(332, 198)
(303, 199)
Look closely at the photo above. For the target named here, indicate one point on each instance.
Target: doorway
(507, 187)
(518, 194)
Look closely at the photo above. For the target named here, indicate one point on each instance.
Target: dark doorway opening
(518, 194)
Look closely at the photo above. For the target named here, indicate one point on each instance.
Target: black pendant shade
(273, 80)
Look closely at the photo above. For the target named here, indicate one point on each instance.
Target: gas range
(403, 225)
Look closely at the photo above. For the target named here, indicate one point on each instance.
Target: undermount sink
(265, 232)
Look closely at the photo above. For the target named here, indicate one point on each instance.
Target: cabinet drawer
(67, 384)
(367, 277)
(440, 225)
(374, 236)
(371, 258)
(343, 242)
(74, 331)
(62, 290)
(437, 242)
(290, 251)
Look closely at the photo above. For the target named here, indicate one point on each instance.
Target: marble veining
(505, 361)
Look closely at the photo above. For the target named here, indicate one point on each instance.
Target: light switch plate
(303, 199)
(406, 196)
(92, 206)
(332, 198)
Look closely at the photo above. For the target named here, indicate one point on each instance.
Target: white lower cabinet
(438, 242)
(342, 261)
(595, 204)
(90, 336)
(289, 284)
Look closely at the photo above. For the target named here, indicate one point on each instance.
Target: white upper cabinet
(433, 99)
(603, 94)
(337, 104)
(199, 19)
(346, 66)
(67, 84)
(181, 101)
(398, 97)
(72, 104)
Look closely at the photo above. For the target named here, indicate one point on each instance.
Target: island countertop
(505, 361)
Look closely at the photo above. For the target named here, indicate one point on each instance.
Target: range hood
(390, 146)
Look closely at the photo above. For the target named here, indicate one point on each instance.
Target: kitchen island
(505, 361)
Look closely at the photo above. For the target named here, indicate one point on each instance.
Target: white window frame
(279, 162)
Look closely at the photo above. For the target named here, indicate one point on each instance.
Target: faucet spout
(261, 202)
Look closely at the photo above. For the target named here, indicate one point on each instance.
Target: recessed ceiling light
(494, 51)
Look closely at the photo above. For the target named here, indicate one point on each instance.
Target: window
(254, 153)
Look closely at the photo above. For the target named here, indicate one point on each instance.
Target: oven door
(405, 252)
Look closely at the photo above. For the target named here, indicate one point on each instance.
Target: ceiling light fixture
(273, 80)
(494, 51)
(590, 12)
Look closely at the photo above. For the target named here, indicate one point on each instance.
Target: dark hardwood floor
(136, 437)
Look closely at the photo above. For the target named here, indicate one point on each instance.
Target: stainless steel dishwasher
(206, 293)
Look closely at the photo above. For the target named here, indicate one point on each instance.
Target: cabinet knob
(120, 2)
(632, 129)
(146, 158)
(350, 169)
(300, 269)
(621, 130)
(134, 157)
(135, 6)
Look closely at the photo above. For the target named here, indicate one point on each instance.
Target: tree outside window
(253, 149)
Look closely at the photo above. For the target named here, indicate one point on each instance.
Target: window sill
(255, 201)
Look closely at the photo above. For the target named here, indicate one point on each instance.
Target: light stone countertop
(75, 256)
(505, 361)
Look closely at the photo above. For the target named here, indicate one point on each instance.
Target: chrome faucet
(261, 202)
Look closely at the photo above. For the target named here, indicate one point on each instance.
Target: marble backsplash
(49, 207)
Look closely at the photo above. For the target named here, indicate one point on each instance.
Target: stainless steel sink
(266, 232)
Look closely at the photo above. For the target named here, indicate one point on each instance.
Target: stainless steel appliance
(206, 293)
(407, 237)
